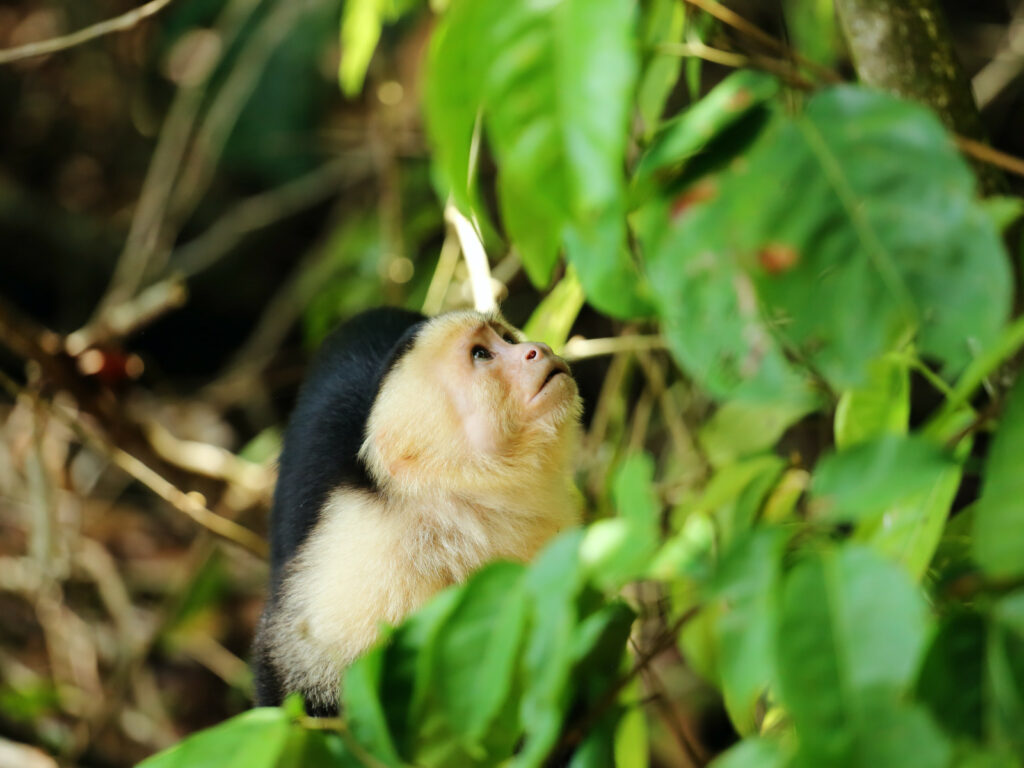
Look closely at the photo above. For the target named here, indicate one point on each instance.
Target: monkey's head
(472, 405)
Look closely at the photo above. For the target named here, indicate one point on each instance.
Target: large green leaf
(360, 696)
(851, 631)
(870, 478)
(553, 582)
(554, 83)
(999, 519)
(741, 428)
(1005, 656)
(952, 679)
(859, 225)
(710, 316)
(620, 549)
(254, 739)
(863, 206)
(746, 586)
(476, 653)
(682, 137)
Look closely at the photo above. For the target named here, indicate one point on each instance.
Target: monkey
(419, 449)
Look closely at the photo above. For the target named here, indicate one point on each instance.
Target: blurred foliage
(805, 544)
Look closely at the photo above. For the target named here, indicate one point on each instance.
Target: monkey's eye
(481, 353)
(509, 338)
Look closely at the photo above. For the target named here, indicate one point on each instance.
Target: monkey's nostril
(531, 354)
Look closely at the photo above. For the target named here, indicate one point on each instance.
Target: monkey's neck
(456, 535)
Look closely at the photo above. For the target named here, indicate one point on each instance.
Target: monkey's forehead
(452, 326)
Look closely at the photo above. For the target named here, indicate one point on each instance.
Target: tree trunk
(904, 47)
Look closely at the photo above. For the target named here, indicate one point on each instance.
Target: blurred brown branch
(117, 24)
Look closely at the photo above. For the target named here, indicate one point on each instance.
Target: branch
(578, 348)
(573, 734)
(117, 24)
(189, 503)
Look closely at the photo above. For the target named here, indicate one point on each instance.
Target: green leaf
(863, 205)
(457, 68)
(909, 531)
(740, 428)
(631, 736)
(952, 678)
(746, 585)
(619, 550)
(362, 705)
(1005, 656)
(254, 739)
(361, 22)
(554, 83)
(553, 581)
(553, 318)
(684, 136)
(710, 315)
(812, 26)
(476, 653)
(753, 753)
(999, 519)
(663, 22)
(881, 406)
(851, 631)
(870, 478)
(1003, 211)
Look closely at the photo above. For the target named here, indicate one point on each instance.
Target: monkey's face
(473, 394)
(503, 387)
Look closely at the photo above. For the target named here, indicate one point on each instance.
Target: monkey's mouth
(558, 368)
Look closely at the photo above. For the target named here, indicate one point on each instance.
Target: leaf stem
(979, 369)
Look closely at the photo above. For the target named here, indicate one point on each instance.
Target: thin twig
(737, 22)
(672, 717)
(124, 319)
(339, 726)
(188, 503)
(443, 273)
(699, 50)
(260, 211)
(981, 151)
(117, 24)
(573, 734)
(578, 348)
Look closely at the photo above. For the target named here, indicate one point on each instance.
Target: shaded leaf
(999, 517)
(871, 477)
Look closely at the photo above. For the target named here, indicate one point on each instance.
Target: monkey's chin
(556, 401)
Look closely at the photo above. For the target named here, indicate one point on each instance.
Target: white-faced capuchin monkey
(419, 450)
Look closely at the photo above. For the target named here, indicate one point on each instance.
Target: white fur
(448, 504)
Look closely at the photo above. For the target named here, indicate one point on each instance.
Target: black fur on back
(328, 424)
(320, 452)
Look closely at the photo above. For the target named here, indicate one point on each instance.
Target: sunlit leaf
(881, 406)
(753, 753)
(742, 428)
(620, 549)
(254, 739)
